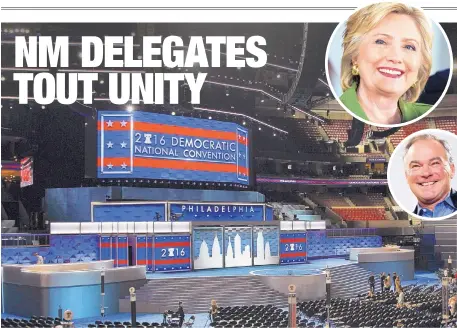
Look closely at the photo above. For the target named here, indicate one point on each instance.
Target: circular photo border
(398, 152)
(451, 65)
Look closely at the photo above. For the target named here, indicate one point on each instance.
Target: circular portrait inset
(388, 64)
(421, 174)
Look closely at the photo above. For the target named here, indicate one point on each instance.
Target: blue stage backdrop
(62, 249)
(172, 253)
(293, 248)
(321, 246)
(157, 146)
(215, 212)
(133, 212)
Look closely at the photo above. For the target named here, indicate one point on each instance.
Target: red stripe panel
(242, 141)
(158, 163)
(173, 244)
(122, 245)
(141, 262)
(105, 245)
(141, 245)
(172, 129)
(121, 261)
(293, 240)
(149, 262)
(174, 261)
(299, 254)
(149, 244)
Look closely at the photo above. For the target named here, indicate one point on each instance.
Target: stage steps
(350, 280)
(196, 293)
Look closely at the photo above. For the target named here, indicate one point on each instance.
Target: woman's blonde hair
(367, 18)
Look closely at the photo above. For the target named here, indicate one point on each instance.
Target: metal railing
(351, 232)
(24, 240)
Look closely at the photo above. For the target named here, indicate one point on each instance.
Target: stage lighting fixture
(244, 122)
(278, 76)
(129, 108)
(260, 128)
(43, 107)
(210, 118)
(173, 113)
(3, 78)
(274, 134)
(102, 81)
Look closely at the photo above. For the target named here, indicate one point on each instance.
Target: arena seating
(405, 131)
(370, 199)
(359, 176)
(360, 213)
(309, 129)
(448, 123)
(328, 200)
(337, 129)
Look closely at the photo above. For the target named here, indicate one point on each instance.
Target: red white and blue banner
(105, 248)
(157, 146)
(172, 253)
(293, 248)
(122, 251)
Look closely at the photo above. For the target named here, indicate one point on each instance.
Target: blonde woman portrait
(386, 62)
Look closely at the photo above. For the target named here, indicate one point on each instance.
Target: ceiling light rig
(234, 86)
(243, 116)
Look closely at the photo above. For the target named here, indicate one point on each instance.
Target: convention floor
(201, 319)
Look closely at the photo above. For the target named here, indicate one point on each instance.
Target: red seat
(360, 213)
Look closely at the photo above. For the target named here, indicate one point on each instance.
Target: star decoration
(123, 123)
(110, 123)
(110, 166)
(124, 166)
(110, 144)
(123, 144)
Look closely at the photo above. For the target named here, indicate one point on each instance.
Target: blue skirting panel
(404, 268)
(83, 301)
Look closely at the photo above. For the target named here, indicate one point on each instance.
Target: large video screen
(157, 146)
(26, 171)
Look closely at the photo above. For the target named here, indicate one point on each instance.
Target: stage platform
(320, 264)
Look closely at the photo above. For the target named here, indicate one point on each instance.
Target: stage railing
(24, 240)
(347, 232)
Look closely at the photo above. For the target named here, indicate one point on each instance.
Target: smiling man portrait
(429, 169)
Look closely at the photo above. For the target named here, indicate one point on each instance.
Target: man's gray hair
(428, 136)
